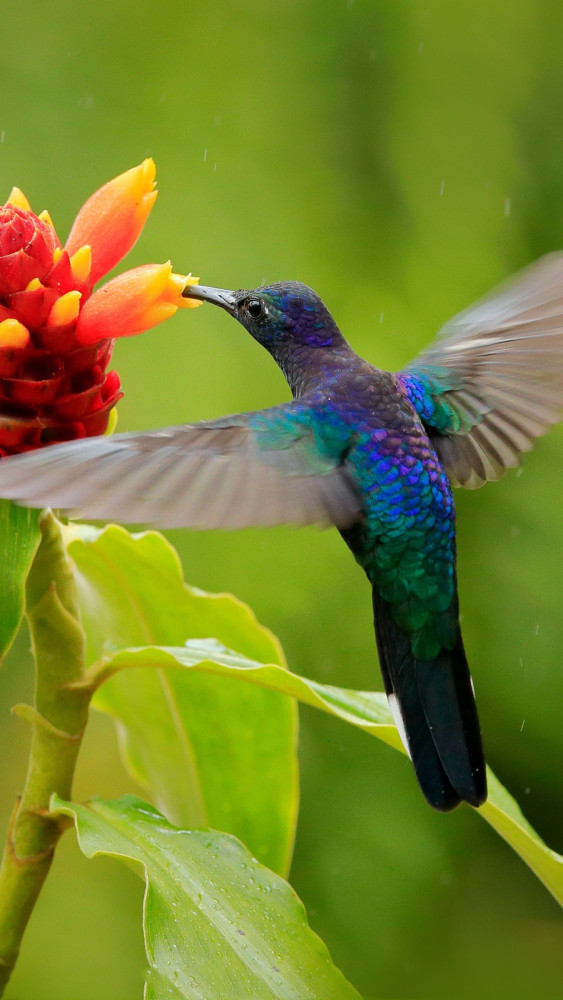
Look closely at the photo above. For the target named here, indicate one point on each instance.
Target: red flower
(56, 333)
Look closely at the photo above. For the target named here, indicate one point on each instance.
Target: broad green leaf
(365, 709)
(217, 923)
(19, 538)
(209, 752)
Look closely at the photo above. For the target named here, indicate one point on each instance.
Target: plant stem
(57, 720)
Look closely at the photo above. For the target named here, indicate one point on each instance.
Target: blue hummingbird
(373, 453)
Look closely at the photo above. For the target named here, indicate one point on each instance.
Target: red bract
(56, 332)
(27, 245)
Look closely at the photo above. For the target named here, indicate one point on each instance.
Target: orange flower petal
(113, 217)
(131, 303)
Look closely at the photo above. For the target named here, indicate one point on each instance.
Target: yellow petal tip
(141, 182)
(187, 282)
(148, 171)
(13, 334)
(18, 200)
(81, 263)
(65, 309)
(45, 217)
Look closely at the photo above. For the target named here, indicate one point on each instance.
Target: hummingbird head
(284, 315)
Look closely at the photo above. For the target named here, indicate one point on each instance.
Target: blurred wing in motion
(492, 381)
(249, 469)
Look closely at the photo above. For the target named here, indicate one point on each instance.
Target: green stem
(57, 721)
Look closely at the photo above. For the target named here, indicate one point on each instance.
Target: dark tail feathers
(435, 702)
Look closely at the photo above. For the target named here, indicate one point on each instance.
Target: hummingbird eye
(254, 308)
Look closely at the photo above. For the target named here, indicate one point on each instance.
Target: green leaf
(504, 815)
(19, 538)
(217, 923)
(365, 709)
(209, 752)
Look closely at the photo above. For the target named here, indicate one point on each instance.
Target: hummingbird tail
(434, 707)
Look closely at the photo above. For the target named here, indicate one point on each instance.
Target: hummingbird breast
(406, 543)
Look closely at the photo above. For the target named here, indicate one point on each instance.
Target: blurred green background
(401, 158)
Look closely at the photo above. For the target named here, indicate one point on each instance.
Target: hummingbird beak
(217, 296)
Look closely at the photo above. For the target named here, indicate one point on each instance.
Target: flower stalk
(57, 718)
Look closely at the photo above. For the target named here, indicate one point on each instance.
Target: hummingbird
(372, 452)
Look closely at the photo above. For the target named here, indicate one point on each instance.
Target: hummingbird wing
(259, 468)
(492, 381)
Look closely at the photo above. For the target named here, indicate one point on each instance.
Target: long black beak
(217, 296)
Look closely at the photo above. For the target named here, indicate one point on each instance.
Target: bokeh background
(400, 157)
